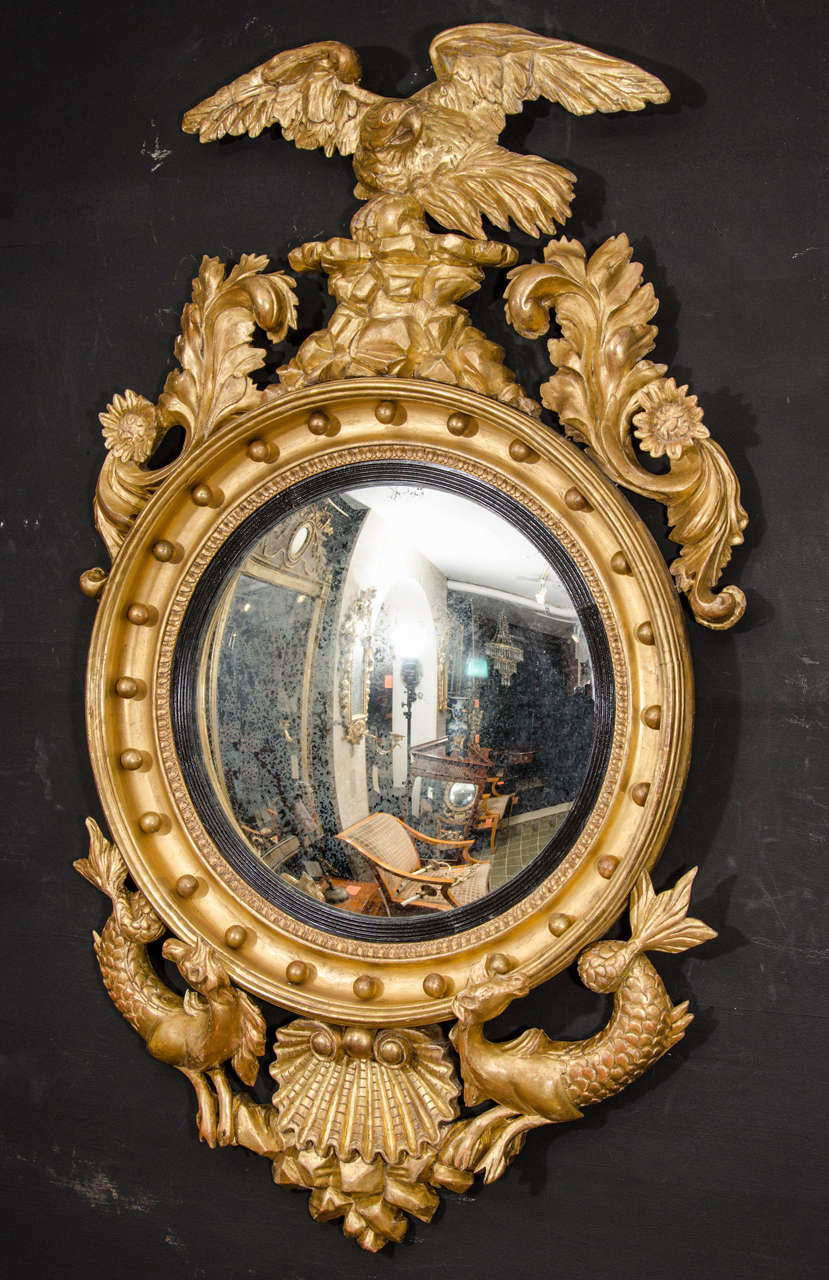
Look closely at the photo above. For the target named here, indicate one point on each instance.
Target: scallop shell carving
(355, 1091)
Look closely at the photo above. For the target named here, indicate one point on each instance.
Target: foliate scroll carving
(212, 386)
(609, 396)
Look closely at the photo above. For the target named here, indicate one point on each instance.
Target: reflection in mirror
(397, 709)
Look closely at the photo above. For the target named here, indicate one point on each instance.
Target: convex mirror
(389, 694)
(327, 745)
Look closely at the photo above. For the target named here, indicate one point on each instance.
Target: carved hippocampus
(537, 1081)
(212, 1023)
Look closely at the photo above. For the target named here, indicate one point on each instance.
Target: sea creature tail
(680, 1020)
(660, 922)
(104, 867)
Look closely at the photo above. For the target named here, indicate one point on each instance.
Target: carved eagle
(439, 145)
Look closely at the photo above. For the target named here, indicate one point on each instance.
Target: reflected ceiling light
(410, 639)
(505, 655)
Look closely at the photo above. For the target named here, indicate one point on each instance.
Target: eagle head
(391, 124)
(389, 137)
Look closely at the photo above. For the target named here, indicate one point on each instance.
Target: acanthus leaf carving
(214, 348)
(605, 392)
(211, 387)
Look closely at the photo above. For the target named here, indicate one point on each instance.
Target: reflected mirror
(396, 700)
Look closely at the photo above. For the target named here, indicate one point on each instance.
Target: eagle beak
(407, 129)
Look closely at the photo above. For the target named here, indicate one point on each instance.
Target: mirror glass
(396, 700)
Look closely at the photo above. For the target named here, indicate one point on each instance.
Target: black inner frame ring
(184, 706)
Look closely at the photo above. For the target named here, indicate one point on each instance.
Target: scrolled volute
(609, 397)
(211, 387)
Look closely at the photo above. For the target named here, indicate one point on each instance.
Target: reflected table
(363, 897)
(478, 765)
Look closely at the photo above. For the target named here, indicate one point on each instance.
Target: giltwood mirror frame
(366, 1114)
(356, 629)
(151, 813)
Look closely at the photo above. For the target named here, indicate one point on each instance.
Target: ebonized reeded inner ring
(184, 705)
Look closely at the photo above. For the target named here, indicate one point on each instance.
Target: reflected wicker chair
(493, 813)
(406, 883)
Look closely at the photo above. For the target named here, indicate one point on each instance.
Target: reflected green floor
(518, 845)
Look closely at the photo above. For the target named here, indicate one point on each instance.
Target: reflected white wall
(406, 612)
(409, 591)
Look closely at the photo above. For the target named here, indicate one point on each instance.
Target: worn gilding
(365, 1116)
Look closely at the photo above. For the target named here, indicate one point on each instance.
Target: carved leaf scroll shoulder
(607, 395)
(212, 385)
(367, 1120)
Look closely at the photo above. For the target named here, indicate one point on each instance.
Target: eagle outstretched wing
(489, 180)
(311, 93)
(491, 68)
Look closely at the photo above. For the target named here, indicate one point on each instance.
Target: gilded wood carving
(609, 397)
(356, 664)
(439, 146)
(366, 1114)
(366, 1120)
(213, 385)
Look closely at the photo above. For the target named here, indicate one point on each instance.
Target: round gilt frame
(151, 815)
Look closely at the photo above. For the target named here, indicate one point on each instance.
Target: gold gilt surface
(516, 454)
(609, 396)
(365, 1116)
(438, 146)
(367, 1121)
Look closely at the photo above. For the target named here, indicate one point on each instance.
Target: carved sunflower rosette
(367, 1118)
(212, 386)
(608, 396)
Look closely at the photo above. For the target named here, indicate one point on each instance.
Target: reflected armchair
(494, 811)
(388, 845)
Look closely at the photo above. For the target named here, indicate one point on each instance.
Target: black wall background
(714, 1164)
